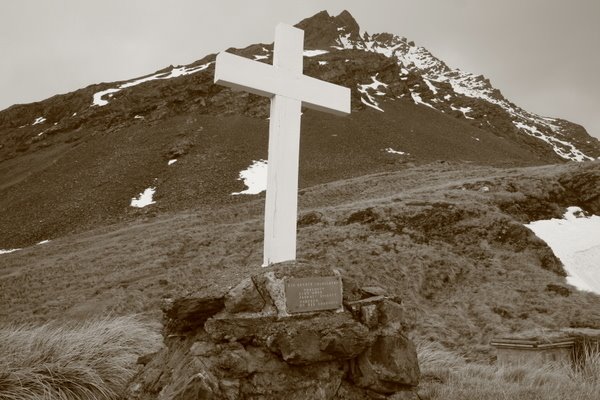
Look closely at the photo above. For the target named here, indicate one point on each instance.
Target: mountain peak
(321, 30)
(408, 107)
(345, 19)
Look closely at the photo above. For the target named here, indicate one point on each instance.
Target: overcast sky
(542, 54)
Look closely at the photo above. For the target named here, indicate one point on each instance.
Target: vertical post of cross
(284, 148)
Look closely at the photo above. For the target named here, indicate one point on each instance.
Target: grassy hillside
(447, 238)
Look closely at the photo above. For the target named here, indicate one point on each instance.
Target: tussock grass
(89, 360)
(587, 367)
(447, 376)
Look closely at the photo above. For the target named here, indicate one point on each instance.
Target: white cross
(288, 89)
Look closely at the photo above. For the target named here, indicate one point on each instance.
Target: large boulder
(189, 313)
(323, 338)
(389, 365)
(244, 298)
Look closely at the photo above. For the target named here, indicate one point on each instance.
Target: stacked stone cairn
(244, 344)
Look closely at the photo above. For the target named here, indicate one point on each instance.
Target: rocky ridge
(378, 68)
(432, 83)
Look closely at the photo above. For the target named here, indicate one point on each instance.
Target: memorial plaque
(313, 294)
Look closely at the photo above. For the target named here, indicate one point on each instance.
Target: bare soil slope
(72, 187)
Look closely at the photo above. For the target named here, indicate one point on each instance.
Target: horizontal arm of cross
(266, 80)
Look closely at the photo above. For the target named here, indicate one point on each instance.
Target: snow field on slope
(572, 153)
(464, 83)
(575, 240)
(174, 73)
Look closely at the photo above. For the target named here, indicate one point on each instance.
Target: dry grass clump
(448, 377)
(89, 360)
(587, 367)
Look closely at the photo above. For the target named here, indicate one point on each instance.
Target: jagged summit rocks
(432, 83)
(76, 160)
(321, 29)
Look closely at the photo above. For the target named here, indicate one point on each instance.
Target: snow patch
(322, 62)
(375, 84)
(313, 53)
(172, 161)
(363, 89)
(420, 58)
(375, 106)
(44, 242)
(463, 110)
(144, 199)
(575, 240)
(138, 117)
(418, 100)
(260, 57)
(392, 151)
(344, 42)
(8, 251)
(430, 86)
(38, 120)
(254, 177)
(174, 73)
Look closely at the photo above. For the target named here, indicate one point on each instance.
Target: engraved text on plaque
(313, 294)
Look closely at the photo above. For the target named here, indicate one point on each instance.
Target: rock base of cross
(246, 343)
